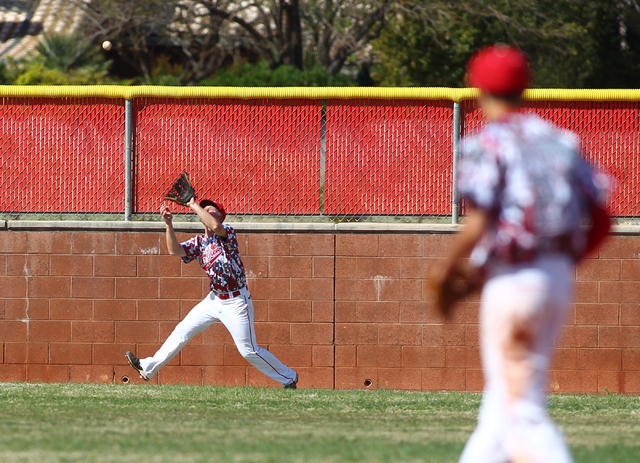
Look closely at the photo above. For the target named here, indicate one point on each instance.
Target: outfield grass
(109, 423)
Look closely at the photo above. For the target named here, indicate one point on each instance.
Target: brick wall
(344, 310)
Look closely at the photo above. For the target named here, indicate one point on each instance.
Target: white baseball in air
(106, 45)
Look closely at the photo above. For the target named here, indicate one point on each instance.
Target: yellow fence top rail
(418, 93)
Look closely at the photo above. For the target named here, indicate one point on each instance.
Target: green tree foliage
(263, 75)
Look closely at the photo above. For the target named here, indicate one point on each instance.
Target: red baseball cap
(500, 70)
(217, 205)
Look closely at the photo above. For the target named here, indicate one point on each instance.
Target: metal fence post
(128, 167)
(455, 200)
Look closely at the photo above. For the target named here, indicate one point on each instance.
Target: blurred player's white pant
(236, 314)
(521, 312)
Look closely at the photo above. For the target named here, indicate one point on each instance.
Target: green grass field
(116, 423)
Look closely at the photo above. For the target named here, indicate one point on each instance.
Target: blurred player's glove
(445, 293)
(181, 190)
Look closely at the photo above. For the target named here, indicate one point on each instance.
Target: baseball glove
(448, 292)
(181, 190)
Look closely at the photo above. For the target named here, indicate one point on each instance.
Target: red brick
(225, 376)
(13, 331)
(3, 264)
(31, 265)
(93, 243)
(416, 267)
(579, 381)
(132, 376)
(49, 330)
(290, 267)
(70, 309)
(422, 357)
(631, 270)
(356, 290)
(218, 334)
(397, 334)
(609, 382)
(345, 356)
(379, 312)
(619, 336)
(377, 268)
(599, 359)
(159, 309)
(12, 242)
(180, 375)
(92, 331)
(354, 378)
(191, 270)
(346, 267)
(137, 288)
(598, 270)
(631, 359)
(111, 354)
(149, 350)
(13, 287)
(322, 356)
(47, 373)
(379, 356)
(443, 335)
(256, 266)
(400, 379)
(630, 314)
(187, 305)
(317, 378)
(115, 266)
(70, 353)
(202, 354)
(460, 357)
(12, 373)
(357, 245)
(33, 309)
(312, 245)
(586, 291)
(260, 310)
(472, 335)
(257, 379)
(71, 265)
(271, 288)
(474, 380)
(436, 245)
(316, 289)
(356, 333)
(160, 266)
(465, 312)
(323, 267)
(620, 247)
(322, 311)
(620, 291)
(268, 245)
(419, 312)
(136, 332)
(94, 288)
(630, 382)
(273, 333)
(23, 352)
(49, 243)
(190, 288)
(565, 359)
(401, 245)
(443, 379)
(290, 311)
(346, 311)
(100, 374)
(231, 355)
(114, 310)
(596, 314)
(312, 333)
(138, 243)
(293, 356)
(579, 336)
(400, 290)
(49, 286)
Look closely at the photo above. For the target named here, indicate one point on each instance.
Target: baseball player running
(528, 190)
(229, 300)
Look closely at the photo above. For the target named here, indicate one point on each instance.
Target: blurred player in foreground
(529, 193)
(229, 300)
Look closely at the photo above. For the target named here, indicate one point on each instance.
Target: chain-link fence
(321, 159)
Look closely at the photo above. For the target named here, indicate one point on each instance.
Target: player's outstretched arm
(173, 245)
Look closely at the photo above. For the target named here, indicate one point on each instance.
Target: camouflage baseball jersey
(219, 258)
(533, 180)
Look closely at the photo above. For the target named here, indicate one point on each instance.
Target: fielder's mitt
(446, 293)
(181, 190)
